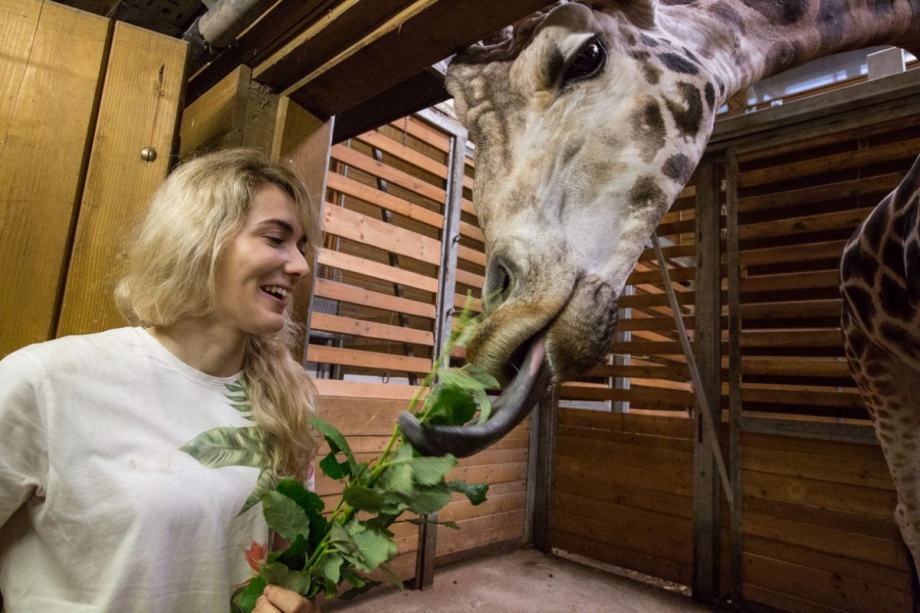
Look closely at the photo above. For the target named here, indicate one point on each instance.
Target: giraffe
(880, 321)
(589, 118)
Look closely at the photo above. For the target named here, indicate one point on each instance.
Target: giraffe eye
(587, 62)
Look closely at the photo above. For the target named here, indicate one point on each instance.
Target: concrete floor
(523, 581)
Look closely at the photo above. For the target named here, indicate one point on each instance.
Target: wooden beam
(706, 529)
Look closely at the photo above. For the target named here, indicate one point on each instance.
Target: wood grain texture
(51, 65)
(139, 108)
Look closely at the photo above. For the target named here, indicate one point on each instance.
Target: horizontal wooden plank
(827, 250)
(825, 587)
(360, 296)
(775, 394)
(363, 390)
(798, 280)
(793, 366)
(370, 268)
(677, 426)
(808, 224)
(368, 329)
(659, 477)
(377, 233)
(480, 531)
(867, 186)
(358, 160)
(670, 373)
(470, 279)
(648, 398)
(610, 553)
(406, 154)
(384, 200)
(474, 256)
(368, 359)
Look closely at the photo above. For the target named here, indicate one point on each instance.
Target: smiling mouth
(276, 292)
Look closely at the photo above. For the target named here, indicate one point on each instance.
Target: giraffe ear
(640, 12)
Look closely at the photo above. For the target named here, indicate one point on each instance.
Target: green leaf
(398, 477)
(274, 573)
(294, 556)
(484, 404)
(457, 378)
(331, 567)
(285, 516)
(374, 546)
(335, 439)
(333, 469)
(341, 540)
(313, 506)
(362, 498)
(476, 492)
(244, 600)
(481, 375)
(428, 498)
(361, 585)
(228, 446)
(431, 470)
(450, 406)
(266, 482)
(297, 582)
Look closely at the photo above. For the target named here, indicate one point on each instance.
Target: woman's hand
(276, 599)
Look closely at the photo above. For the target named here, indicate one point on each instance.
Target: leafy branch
(355, 539)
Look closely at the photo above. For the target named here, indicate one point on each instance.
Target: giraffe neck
(742, 41)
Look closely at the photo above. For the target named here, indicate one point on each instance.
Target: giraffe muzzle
(508, 410)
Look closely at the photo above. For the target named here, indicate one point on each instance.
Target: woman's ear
(640, 12)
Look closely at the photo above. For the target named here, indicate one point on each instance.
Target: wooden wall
(80, 97)
(372, 321)
(817, 527)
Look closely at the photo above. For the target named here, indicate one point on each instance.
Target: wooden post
(733, 267)
(303, 141)
(447, 282)
(544, 420)
(706, 348)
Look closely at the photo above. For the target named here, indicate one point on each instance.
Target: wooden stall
(812, 527)
(81, 98)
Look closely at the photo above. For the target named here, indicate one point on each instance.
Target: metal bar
(709, 428)
(394, 261)
(447, 283)
(733, 266)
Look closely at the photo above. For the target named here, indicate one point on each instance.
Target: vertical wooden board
(139, 108)
(215, 119)
(50, 63)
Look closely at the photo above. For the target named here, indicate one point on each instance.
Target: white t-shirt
(100, 509)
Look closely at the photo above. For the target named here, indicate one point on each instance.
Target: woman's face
(259, 267)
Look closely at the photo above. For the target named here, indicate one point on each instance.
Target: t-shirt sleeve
(23, 451)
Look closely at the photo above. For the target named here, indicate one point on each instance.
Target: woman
(133, 460)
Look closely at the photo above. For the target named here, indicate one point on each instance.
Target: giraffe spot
(710, 93)
(652, 73)
(645, 194)
(858, 343)
(782, 55)
(893, 257)
(787, 12)
(901, 224)
(728, 14)
(648, 41)
(628, 36)
(912, 274)
(881, 6)
(861, 301)
(857, 264)
(874, 227)
(831, 18)
(677, 63)
(648, 129)
(678, 167)
(570, 150)
(691, 55)
(892, 296)
(640, 55)
(688, 119)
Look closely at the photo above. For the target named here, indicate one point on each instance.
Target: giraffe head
(588, 120)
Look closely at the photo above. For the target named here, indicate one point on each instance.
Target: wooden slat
(139, 108)
(411, 156)
(836, 191)
(670, 373)
(906, 149)
(779, 255)
(363, 229)
(207, 121)
(470, 279)
(384, 200)
(803, 225)
(45, 49)
(799, 280)
(471, 255)
(360, 296)
(358, 160)
(801, 367)
(351, 263)
(368, 359)
(361, 390)
(367, 329)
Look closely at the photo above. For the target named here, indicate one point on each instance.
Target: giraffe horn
(508, 410)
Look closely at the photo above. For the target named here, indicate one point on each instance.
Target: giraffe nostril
(499, 282)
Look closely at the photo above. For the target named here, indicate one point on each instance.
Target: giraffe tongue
(512, 406)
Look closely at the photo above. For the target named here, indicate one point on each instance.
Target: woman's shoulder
(82, 348)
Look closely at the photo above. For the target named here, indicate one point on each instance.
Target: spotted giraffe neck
(743, 41)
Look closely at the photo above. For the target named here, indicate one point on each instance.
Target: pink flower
(256, 556)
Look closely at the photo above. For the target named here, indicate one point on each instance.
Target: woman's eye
(588, 61)
(275, 240)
